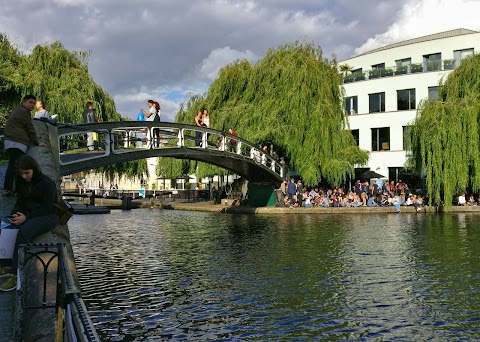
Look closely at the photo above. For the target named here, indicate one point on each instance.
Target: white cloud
(72, 3)
(419, 18)
(218, 58)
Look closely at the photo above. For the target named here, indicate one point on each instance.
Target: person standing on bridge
(233, 142)
(19, 136)
(205, 119)
(89, 116)
(151, 116)
(198, 122)
(42, 113)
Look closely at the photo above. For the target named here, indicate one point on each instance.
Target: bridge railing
(98, 140)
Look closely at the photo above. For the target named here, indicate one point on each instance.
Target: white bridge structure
(82, 147)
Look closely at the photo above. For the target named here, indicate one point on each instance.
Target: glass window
(433, 93)
(376, 102)
(356, 135)
(351, 105)
(403, 62)
(355, 71)
(381, 139)
(378, 66)
(461, 54)
(433, 61)
(406, 99)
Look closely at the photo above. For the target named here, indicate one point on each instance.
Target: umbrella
(371, 174)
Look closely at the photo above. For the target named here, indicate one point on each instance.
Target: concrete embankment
(40, 323)
(233, 209)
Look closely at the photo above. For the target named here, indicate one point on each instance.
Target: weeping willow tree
(444, 138)
(136, 169)
(292, 99)
(61, 79)
(9, 62)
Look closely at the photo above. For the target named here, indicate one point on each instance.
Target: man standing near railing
(233, 142)
(89, 116)
(20, 134)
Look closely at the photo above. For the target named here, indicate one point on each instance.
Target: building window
(381, 139)
(461, 54)
(406, 99)
(356, 136)
(433, 61)
(357, 71)
(403, 62)
(378, 66)
(376, 102)
(405, 136)
(433, 93)
(351, 105)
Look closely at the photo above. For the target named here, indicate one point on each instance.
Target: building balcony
(440, 65)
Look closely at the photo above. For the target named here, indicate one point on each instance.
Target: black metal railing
(73, 321)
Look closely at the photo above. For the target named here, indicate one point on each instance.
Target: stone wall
(40, 324)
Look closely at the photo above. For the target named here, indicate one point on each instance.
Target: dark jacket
(292, 188)
(19, 127)
(40, 200)
(89, 116)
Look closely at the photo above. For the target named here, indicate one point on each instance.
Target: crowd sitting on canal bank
(363, 194)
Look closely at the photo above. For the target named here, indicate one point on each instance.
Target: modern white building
(384, 88)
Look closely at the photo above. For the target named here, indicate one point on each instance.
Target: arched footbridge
(87, 146)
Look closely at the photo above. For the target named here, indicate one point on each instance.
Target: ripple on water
(150, 275)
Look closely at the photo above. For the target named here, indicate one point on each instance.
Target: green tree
(444, 138)
(55, 75)
(293, 99)
(61, 79)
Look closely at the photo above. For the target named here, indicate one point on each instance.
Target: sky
(167, 50)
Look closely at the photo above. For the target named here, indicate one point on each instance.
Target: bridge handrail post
(223, 143)
(181, 138)
(108, 142)
(204, 140)
(239, 147)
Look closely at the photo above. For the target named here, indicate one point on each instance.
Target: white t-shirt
(152, 110)
(42, 114)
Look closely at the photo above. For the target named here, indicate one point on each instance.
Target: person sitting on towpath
(34, 212)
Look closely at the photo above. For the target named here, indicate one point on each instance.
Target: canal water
(159, 275)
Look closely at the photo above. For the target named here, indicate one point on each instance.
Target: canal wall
(40, 324)
(232, 209)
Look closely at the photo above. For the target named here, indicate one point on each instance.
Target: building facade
(384, 87)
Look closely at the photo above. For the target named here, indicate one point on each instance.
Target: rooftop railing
(446, 64)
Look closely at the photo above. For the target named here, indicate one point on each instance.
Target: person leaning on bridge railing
(232, 142)
(90, 116)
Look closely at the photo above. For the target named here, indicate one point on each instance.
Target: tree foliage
(55, 75)
(135, 169)
(292, 99)
(444, 137)
(60, 78)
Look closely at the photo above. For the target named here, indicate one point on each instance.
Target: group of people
(35, 211)
(363, 194)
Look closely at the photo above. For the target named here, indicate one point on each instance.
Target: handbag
(64, 211)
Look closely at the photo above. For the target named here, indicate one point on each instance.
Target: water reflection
(162, 275)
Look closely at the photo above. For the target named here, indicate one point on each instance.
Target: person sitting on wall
(34, 212)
